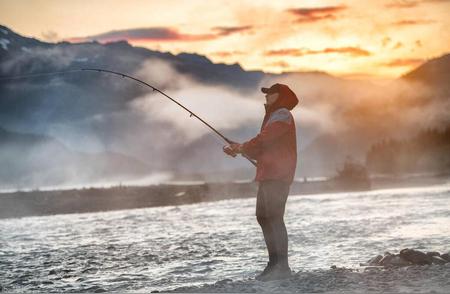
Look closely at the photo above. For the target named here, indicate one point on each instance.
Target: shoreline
(421, 279)
(39, 203)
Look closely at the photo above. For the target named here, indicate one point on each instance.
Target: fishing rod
(191, 114)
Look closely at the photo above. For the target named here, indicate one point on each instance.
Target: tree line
(428, 151)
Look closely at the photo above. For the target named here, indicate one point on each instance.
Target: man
(275, 150)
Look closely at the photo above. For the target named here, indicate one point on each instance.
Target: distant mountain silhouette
(434, 73)
(197, 66)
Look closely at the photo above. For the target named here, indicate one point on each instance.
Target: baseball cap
(275, 88)
(287, 96)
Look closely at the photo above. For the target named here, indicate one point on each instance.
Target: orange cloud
(159, 34)
(226, 53)
(225, 31)
(411, 3)
(404, 62)
(282, 52)
(354, 51)
(408, 22)
(386, 41)
(281, 64)
(436, 1)
(143, 35)
(316, 14)
(398, 45)
(402, 4)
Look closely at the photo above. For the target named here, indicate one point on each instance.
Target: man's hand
(232, 149)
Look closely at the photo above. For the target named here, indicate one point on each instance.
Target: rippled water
(170, 247)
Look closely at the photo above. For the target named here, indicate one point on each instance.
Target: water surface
(169, 247)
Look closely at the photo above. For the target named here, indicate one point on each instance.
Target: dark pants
(270, 206)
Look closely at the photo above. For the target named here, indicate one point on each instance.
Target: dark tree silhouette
(428, 151)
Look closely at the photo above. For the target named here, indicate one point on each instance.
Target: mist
(102, 117)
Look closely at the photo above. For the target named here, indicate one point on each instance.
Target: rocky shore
(406, 272)
(408, 257)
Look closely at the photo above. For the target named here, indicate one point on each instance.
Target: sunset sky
(373, 39)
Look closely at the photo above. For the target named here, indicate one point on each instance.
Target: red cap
(287, 96)
(275, 88)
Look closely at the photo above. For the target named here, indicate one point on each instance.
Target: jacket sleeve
(267, 136)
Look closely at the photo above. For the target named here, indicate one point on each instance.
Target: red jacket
(275, 147)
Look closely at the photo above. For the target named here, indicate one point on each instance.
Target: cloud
(353, 51)
(405, 62)
(409, 22)
(225, 31)
(402, 4)
(398, 45)
(436, 1)
(386, 41)
(282, 64)
(155, 34)
(226, 53)
(38, 60)
(305, 15)
(159, 34)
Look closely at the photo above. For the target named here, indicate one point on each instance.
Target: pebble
(433, 253)
(446, 256)
(438, 260)
(415, 256)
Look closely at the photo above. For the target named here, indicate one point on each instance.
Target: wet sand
(413, 279)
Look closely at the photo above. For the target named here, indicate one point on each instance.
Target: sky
(380, 39)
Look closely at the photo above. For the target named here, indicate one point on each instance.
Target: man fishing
(275, 150)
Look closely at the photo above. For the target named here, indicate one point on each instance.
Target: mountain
(433, 74)
(120, 54)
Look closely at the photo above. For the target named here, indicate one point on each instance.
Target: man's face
(271, 98)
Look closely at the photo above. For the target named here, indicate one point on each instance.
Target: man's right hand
(228, 149)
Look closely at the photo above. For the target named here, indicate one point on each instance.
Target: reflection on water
(165, 248)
